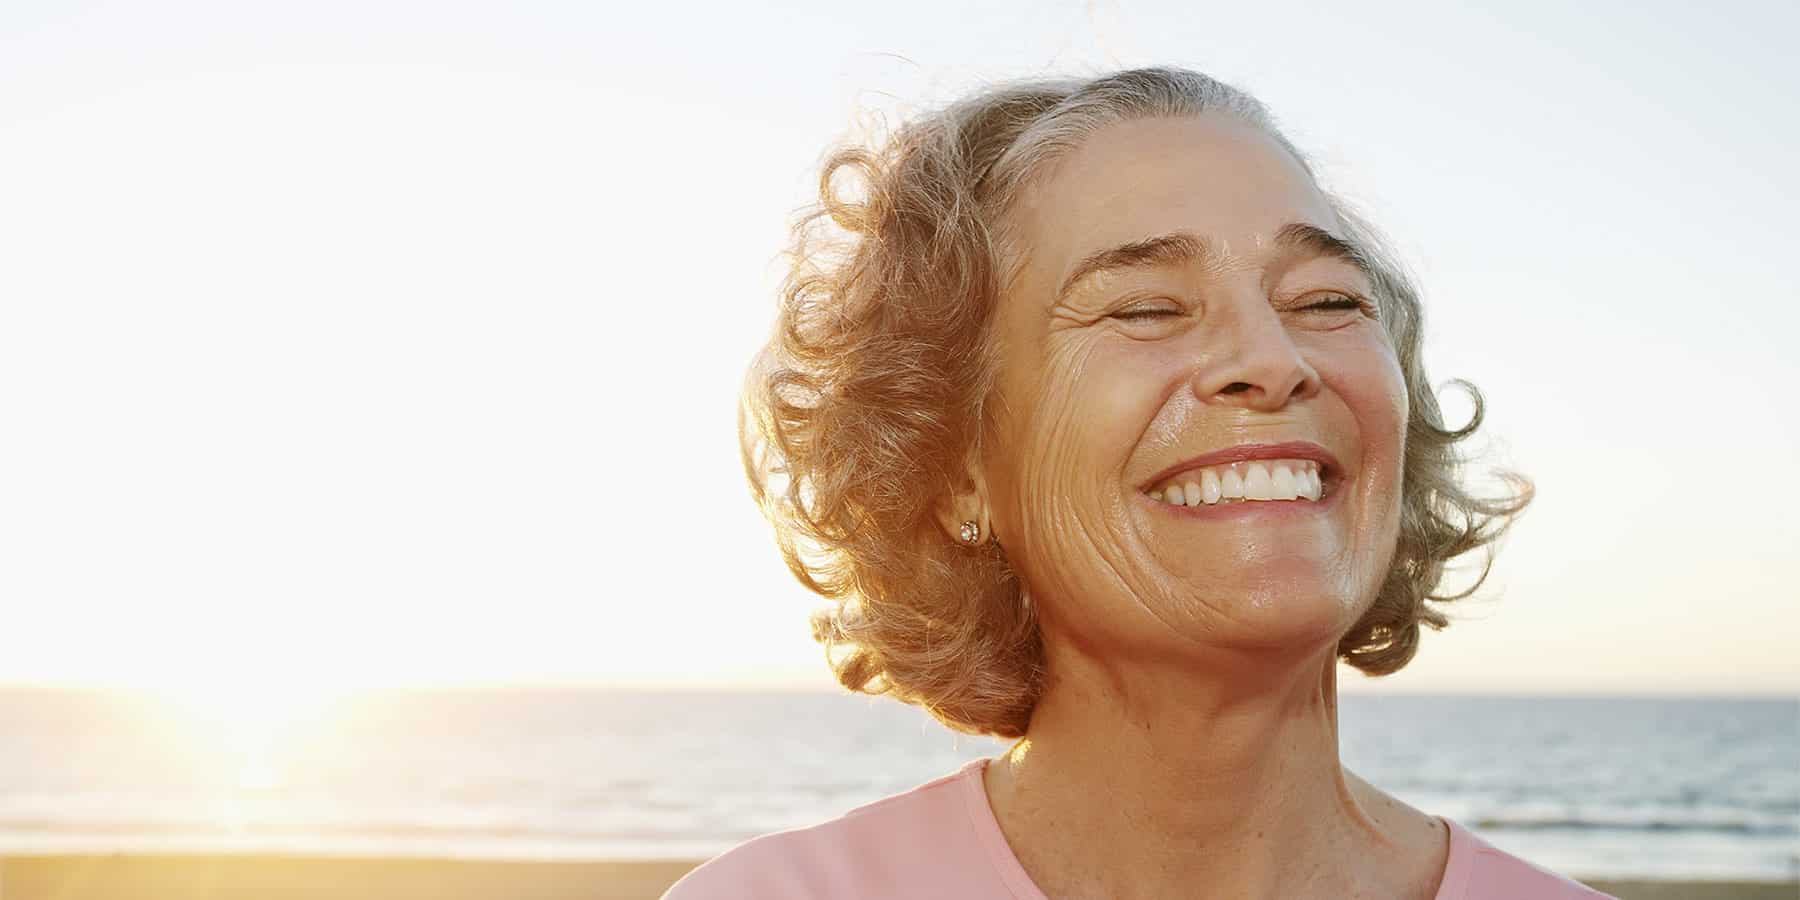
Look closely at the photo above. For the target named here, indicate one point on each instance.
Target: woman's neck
(1150, 782)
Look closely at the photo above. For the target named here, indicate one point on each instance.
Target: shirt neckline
(993, 840)
(1452, 884)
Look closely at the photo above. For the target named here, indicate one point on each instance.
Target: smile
(1263, 480)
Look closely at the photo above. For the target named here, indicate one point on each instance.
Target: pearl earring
(971, 532)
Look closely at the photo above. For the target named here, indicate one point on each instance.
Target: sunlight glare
(253, 718)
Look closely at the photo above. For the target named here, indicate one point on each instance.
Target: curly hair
(858, 414)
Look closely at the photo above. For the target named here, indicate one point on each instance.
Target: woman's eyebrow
(1184, 248)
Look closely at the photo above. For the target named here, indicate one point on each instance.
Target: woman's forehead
(1222, 183)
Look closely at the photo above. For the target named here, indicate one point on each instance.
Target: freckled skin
(1188, 731)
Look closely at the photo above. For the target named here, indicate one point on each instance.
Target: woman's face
(1113, 383)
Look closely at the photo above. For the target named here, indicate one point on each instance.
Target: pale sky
(373, 343)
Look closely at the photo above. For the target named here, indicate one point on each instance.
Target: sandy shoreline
(217, 877)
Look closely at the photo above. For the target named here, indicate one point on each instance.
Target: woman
(1104, 428)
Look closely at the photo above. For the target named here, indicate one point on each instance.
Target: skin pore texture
(1186, 743)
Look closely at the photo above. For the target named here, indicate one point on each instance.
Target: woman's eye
(1133, 315)
(1344, 301)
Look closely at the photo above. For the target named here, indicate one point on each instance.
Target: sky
(378, 343)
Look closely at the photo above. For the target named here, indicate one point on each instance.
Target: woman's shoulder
(914, 843)
(1477, 870)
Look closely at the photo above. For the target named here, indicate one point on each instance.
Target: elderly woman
(1104, 428)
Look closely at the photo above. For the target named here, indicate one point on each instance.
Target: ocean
(1592, 787)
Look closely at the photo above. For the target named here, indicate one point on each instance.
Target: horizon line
(726, 687)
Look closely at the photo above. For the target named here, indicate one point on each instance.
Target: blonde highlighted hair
(857, 415)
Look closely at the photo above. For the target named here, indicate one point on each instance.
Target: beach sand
(130, 877)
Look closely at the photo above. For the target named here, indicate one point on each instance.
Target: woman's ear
(967, 502)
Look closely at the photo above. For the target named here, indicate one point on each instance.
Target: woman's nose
(1250, 361)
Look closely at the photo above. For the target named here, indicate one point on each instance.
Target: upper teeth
(1263, 479)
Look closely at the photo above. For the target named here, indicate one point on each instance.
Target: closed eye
(1132, 315)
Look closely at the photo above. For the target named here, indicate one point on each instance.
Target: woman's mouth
(1282, 481)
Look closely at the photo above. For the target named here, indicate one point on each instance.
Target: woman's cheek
(1040, 401)
(1105, 401)
(1367, 375)
(1386, 377)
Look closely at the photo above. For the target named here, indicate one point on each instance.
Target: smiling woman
(1104, 427)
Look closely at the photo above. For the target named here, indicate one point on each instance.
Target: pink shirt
(940, 839)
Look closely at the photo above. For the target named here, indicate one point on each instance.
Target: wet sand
(172, 877)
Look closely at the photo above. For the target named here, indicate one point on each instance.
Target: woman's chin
(1298, 571)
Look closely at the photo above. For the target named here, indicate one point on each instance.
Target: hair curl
(858, 413)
